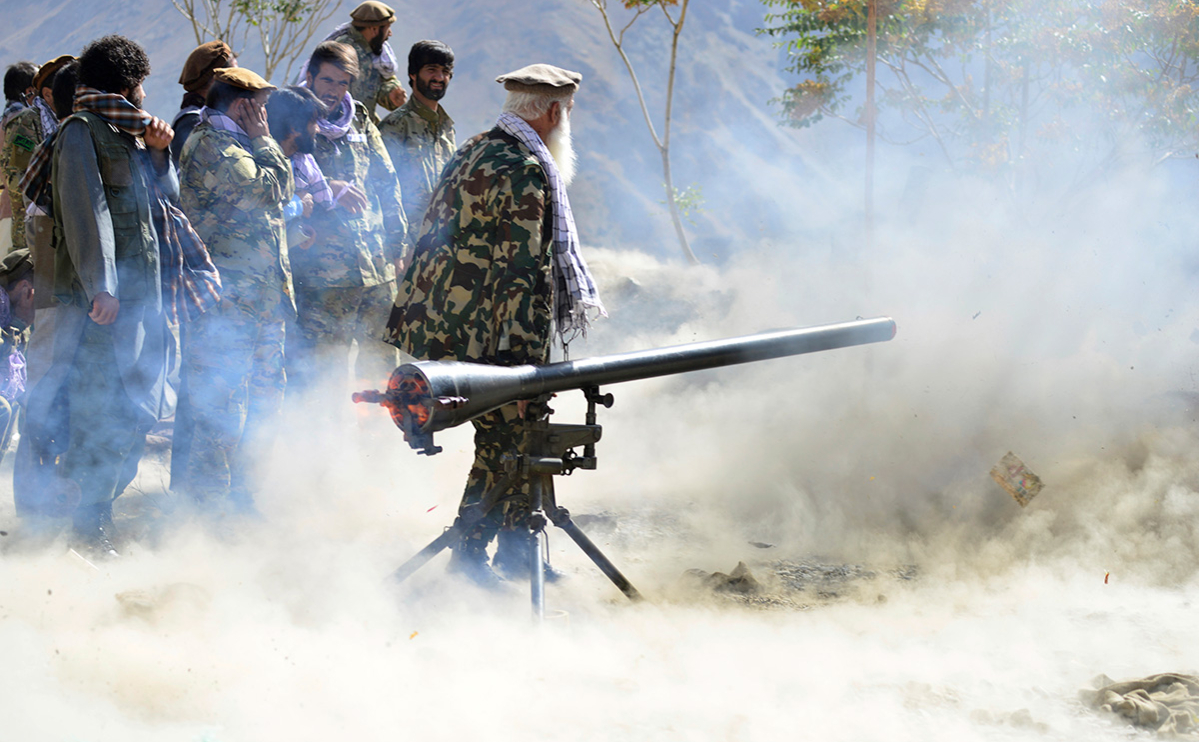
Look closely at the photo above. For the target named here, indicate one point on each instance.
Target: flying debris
(1011, 474)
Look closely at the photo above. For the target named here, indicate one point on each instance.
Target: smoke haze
(1065, 332)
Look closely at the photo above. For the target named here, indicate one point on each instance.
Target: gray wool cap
(539, 76)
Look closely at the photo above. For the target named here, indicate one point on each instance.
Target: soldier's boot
(92, 531)
(512, 556)
(470, 560)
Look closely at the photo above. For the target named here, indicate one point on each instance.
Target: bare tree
(283, 28)
(640, 8)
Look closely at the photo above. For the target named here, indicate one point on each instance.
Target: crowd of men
(208, 267)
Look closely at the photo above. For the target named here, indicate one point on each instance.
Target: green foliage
(689, 201)
(989, 79)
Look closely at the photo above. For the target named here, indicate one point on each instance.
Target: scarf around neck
(49, 120)
(221, 122)
(338, 128)
(190, 282)
(575, 294)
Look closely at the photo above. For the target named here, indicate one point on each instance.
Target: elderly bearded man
(496, 265)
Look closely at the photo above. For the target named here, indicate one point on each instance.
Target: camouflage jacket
(22, 135)
(371, 87)
(355, 249)
(420, 142)
(234, 198)
(479, 286)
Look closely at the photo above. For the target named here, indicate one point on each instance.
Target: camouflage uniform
(22, 135)
(234, 198)
(346, 279)
(420, 142)
(370, 88)
(479, 288)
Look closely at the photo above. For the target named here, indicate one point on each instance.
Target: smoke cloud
(1063, 331)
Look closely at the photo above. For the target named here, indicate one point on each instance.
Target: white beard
(562, 149)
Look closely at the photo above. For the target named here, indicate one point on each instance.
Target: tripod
(547, 452)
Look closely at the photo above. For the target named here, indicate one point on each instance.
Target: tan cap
(197, 70)
(15, 266)
(240, 77)
(372, 13)
(49, 68)
(541, 76)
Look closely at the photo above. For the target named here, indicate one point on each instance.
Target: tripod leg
(537, 527)
(561, 518)
(451, 536)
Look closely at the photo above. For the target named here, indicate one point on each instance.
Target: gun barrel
(647, 364)
(427, 396)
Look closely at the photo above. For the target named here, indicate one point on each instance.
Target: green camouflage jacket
(420, 142)
(22, 135)
(479, 286)
(355, 249)
(371, 87)
(234, 198)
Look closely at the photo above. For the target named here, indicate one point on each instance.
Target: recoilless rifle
(429, 396)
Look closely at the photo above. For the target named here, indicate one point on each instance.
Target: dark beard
(428, 91)
(377, 43)
(136, 99)
(305, 143)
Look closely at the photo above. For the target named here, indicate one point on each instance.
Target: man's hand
(397, 97)
(348, 196)
(105, 307)
(158, 134)
(401, 266)
(250, 115)
(306, 201)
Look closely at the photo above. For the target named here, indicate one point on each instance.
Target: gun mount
(428, 396)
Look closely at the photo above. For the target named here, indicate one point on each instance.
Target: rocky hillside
(725, 138)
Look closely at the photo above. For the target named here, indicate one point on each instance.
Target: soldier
(367, 34)
(235, 181)
(293, 114)
(420, 134)
(347, 278)
(196, 79)
(18, 89)
(24, 133)
(109, 167)
(498, 263)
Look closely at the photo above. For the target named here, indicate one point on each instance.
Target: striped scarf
(220, 121)
(190, 282)
(574, 289)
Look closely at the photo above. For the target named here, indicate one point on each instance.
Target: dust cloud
(904, 594)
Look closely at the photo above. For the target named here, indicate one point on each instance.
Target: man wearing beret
(496, 266)
(108, 167)
(420, 134)
(23, 133)
(346, 279)
(367, 33)
(235, 181)
(196, 79)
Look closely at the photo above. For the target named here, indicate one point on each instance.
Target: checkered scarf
(47, 116)
(190, 282)
(574, 289)
(218, 120)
